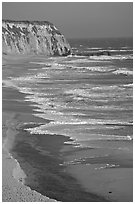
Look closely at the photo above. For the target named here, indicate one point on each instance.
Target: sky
(77, 19)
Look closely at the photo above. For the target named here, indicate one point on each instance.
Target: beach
(17, 115)
(13, 189)
(67, 128)
(67, 102)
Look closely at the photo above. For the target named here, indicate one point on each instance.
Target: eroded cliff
(33, 37)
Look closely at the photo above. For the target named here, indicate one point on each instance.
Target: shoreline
(18, 112)
(13, 187)
(46, 173)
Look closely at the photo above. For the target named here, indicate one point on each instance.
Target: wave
(113, 57)
(76, 122)
(30, 78)
(59, 66)
(108, 166)
(93, 92)
(97, 68)
(125, 47)
(81, 60)
(93, 48)
(126, 50)
(108, 50)
(123, 71)
(50, 104)
(51, 65)
(115, 50)
(128, 85)
(75, 134)
(43, 101)
(107, 88)
(41, 63)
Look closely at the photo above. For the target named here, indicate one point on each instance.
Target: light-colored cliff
(33, 37)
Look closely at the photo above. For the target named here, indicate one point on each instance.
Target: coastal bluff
(33, 37)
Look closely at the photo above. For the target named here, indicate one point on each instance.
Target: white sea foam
(98, 68)
(101, 137)
(123, 71)
(120, 57)
(79, 60)
(58, 58)
(94, 93)
(49, 105)
(30, 78)
(125, 50)
(115, 50)
(107, 87)
(128, 85)
(75, 133)
(80, 92)
(125, 47)
(129, 137)
(75, 56)
(75, 122)
(60, 66)
(107, 166)
(93, 48)
(84, 59)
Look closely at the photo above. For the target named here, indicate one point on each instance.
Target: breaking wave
(123, 71)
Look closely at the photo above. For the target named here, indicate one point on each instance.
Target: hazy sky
(77, 19)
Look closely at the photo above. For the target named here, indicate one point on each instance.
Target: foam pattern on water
(84, 97)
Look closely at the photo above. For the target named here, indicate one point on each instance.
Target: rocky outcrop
(97, 53)
(33, 37)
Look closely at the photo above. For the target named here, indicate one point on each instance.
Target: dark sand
(13, 176)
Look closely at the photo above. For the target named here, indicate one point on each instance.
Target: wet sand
(104, 176)
(103, 170)
(13, 176)
(13, 189)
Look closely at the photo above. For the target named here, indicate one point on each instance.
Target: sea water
(87, 98)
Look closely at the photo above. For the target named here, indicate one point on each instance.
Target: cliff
(33, 37)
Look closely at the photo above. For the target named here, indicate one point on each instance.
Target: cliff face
(33, 37)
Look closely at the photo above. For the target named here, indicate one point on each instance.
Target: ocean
(85, 138)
